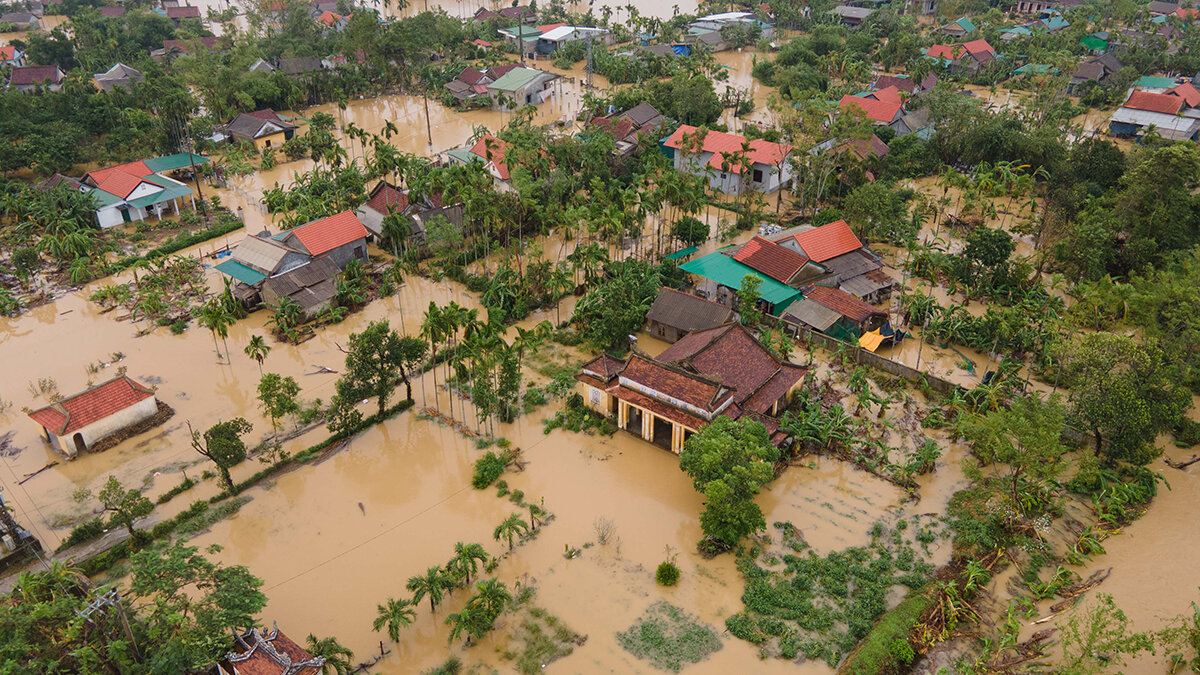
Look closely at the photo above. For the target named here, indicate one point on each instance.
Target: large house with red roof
(717, 371)
(1172, 114)
(968, 57)
(731, 163)
(883, 106)
(138, 190)
(842, 260)
(77, 423)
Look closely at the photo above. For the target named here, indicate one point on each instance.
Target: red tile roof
(497, 72)
(980, 46)
(1159, 103)
(619, 128)
(1187, 92)
(329, 18)
(483, 43)
(827, 241)
(720, 144)
(864, 148)
(93, 405)
(185, 12)
(943, 52)
(778, 262)
(112, 11)
(470, 75)
(8, 52)
(35, 75)
(887, 95)
(123, 179)
(272, 653)
(731, 355)
(266, 114)
(324, 235)
(386, 199)
(549, 27)
(1187, 12)
(492, 149)
(901, 83)
(696, 390)
(879, 111)
(842, 302)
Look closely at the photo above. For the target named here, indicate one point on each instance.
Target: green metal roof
(173, 162)
(170, 192)
(103, 198)
(965, 24)
(1035, 68)
(463, 155)
(242, 273)
(515, 79)
(1151, 82)
(681, 253)
(1094, 43)
(726, 271)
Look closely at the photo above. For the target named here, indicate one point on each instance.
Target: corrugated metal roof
(812, 314)
(515, 79)
(261, 254)
(1145, 118)
(240, 272)
(726, 271)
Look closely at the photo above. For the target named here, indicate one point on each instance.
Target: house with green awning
(725, 274)
(139, 190)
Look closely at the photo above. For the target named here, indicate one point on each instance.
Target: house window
(758, 176)
(267, 144)
(358, 252)
(724, 175)
(593, 396)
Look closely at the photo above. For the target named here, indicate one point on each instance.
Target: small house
(843, 260)
(882, 110)
(11, 56)
(731, 162)
(120, 75)
(340, 237)
(553, 39)
(172, 48)
(300, 66)
(724, 275)
(852, 16)
(520, 87)
(312, 286)
(835, 313)
(27, 78)
(138, 190)
(178, 14)
(385, 199)
(1095, 69)
(264, 128)
(675, 314)
(112, 12)
(629, 126)
(959, 28)
(1170, 114)
(80, 422)
(21, 21)
(263, 652)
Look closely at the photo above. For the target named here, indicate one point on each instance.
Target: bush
(667, 574)
(24, 261)
(487, 469)
(178, 326)
(86, 531)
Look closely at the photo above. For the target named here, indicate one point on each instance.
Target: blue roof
(244, 274)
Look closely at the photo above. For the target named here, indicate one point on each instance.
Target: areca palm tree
(258, 349)
(394, 614)
(433, 584)
(337, 658)
(492, 596)
(510, 528)
(467, 558)
(468, 621)
(213, 317)
(431, 329)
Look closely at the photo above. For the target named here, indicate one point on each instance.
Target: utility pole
(589, 61)
(428, 128)
(196, 176)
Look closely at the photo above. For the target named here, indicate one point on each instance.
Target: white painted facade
(765, 178)
(70, 443)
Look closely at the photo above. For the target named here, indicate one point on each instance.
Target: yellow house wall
(274, 141)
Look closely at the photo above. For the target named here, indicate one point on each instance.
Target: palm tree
(492, 597)
(337, 658)
(467, 558)
(431, 329)
(510, 528)
(212, 317)
(258, 349)
(433, 584)
(395, 614)
(468, 620)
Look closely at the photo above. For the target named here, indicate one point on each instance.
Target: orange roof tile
(720, 144)
(324, 235)
(1160, 103)
(828, 241)
(943, 52)
(93, 405)
(978, 47)
(879, 111)
(492, 149)
(386, 199)
(887, 94)
(1187, 92)
(778, 262)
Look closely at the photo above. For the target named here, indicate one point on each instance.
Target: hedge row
(178, 243)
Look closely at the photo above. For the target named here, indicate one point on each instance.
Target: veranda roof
(726, 271)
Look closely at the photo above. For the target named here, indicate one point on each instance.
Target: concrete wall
(342, 255)
(105, 427)
(731, 183)
(109, 216)
(270, 141)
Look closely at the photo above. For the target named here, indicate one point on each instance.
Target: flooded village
(470, 337)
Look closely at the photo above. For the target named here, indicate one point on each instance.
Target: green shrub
(85, 531)
(184, 485)
(178, 326)
(487, 469)
(667, 574)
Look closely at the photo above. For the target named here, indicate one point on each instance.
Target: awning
(242, 273)
(165, 195)
(179, 160)
(682, 253)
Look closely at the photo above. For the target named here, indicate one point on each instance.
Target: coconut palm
(510, 528)
(433, 584)
(337, 658)
(213, 317)
(492, 597)
(258, 349)
(467, 558)
(469, 621)
(394, 614)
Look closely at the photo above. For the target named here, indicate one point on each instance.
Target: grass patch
(878, 652)
(539, 638)
(669, 638)
(577, 417)
(821, 606)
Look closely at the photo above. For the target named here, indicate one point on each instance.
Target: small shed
(75, 424)
(855, 317)
(675, 314)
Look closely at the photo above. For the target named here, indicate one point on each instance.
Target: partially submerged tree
(278, 396)
(223, 444)
(125, 505)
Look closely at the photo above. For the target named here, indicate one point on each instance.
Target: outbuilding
(73, 425)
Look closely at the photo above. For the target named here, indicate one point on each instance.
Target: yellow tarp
(871, 341)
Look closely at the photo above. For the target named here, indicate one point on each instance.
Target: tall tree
(258, 349)
(433, 584)
(278, 396)
(394, 614)
(223, 444)
(338, 659)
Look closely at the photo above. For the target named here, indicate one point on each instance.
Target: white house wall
(109, 216)
(109, 425)
(729, 182)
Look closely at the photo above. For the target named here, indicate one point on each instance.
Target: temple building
(718, 371)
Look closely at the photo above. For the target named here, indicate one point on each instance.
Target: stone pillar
(648, 425)
(622, 413)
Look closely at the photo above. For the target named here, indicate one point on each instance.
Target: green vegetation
(488, 468)
(669, 638)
